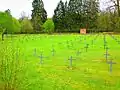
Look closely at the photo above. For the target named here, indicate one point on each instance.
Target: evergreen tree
(59, 15)
(92, 13)
(74, 12)
(39, 15)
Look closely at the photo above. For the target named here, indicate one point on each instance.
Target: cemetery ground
(60, 62)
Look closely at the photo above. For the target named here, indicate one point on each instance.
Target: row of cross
(53, 53)
(118, 41)
(79, 52)
(110, 62)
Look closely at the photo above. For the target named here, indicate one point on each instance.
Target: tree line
(68, 17)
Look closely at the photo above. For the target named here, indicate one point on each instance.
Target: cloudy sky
(18, 6)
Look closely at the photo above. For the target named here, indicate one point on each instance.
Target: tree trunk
(2, 36)
(118, 7)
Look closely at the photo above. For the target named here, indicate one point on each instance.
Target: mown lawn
(21, 68)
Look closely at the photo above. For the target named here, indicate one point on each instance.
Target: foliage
(9, 23)
(108, 21)
(49, 26)
(59, 16)
(76, 14)
(16, 25)
(104, 21)
(39, 15)
(26, 26)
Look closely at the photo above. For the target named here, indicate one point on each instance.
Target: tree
(23, 16)
(58, 17)
(26, 26)
(75, 14)
(49, 26)
(8, 24)
(104, 21)
(115, 5)
(114, 11)
(39, 15)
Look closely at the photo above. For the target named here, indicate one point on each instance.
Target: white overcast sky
(18, 6)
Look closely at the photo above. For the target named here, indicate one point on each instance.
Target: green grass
(20, 69)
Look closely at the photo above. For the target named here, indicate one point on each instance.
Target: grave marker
(107, 54)
(105, 42)
(86, 47)
(111, 65)
(78, 53)
(92, 42)
(71, 60)
(53, 52)
(41, 58)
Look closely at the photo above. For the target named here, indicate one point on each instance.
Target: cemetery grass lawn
(89, 70)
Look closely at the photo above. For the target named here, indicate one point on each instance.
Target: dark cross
(111, 64)
(41, 58)
(86, 47)
(105, 45)
(78, 52)
(71, 60)
(105, 42)
(106, 54)
(53, 52)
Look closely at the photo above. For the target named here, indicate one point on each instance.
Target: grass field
(22, 69)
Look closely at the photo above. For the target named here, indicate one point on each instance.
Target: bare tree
(116, 6)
